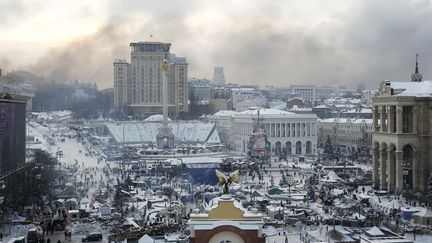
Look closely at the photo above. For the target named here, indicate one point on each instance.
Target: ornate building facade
(353, 136)
(288, 134)
(401, 140)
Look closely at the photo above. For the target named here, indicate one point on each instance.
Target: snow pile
(53, 115)
(84, 228)
(332, 177)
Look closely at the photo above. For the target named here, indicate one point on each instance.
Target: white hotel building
(287, 132)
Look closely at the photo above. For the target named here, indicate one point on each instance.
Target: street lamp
(290, 183)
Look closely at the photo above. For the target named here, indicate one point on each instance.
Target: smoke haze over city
(257, 42)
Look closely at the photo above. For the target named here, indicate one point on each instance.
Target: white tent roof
(146, 239)
(424, 213)
(184, 132)
(375, 231)
(155, 118)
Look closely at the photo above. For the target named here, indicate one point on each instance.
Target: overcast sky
(272, 42)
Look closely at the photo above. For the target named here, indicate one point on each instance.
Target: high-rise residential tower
(218, 76)
(138, 84)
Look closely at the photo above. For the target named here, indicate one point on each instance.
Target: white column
(293, 129)
(290, 134)
(390, 117)
(399, 119)
(399, 172)
(273, 133)
(303, 125)
(414, 118)
(278, 129)
(415, 171)
(313, 129)
(375, 118)
(375, 167)
(391, 170)
(283, 130)
(288, 128)
(383, 169)
(304, 129)
(383, 118)
(165, 94)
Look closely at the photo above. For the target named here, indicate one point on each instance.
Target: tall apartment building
(12, 133)
(218, 76)
(138, 84)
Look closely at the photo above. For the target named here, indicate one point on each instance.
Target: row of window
(281, 129)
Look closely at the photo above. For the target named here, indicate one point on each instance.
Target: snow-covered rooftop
(347, 120)
(270, 114)
(296, 108)
(224, 113)
(265, 112)
(423, 88)
(362, 110)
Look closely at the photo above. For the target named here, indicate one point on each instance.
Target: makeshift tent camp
(406, 213)
(423, 217)
(14, 217)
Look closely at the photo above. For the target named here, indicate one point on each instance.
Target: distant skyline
(278, 42)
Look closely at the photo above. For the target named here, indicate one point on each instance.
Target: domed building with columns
(289, 134)
(401, 140)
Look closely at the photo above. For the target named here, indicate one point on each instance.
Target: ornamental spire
(416, 76)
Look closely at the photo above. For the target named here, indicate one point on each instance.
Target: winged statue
(226, 180)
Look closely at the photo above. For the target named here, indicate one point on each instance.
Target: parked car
(34, 235)
(94, 236)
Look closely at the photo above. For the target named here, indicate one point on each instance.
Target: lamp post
(290, 183)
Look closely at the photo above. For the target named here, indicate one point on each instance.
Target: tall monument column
(165, 136)
(165, 98)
